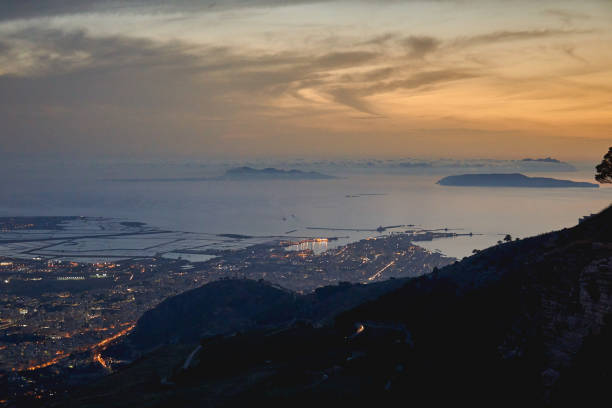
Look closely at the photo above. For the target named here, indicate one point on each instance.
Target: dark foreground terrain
(525, 322)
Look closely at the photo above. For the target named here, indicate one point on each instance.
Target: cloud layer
(82, 90)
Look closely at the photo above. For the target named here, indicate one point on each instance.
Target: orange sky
(500, 79)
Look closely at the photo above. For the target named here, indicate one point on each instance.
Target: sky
(238, 78)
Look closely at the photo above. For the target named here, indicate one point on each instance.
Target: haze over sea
(362, 197)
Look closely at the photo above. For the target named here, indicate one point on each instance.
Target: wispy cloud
(354, 97)
(567, 16)
(11, 10)
(419, 46)
(337, 60)
(517, 35)
(75, 56)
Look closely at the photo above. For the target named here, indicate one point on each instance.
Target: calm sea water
(276, 207)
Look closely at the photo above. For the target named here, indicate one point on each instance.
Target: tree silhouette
(604, 170)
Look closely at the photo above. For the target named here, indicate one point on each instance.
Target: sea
(170, 195)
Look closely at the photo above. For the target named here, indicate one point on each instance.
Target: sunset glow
(309, 78)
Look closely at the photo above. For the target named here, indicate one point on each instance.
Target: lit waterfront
(316, 245)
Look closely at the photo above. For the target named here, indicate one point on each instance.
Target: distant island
(545, 164)
(545, 160)
(273, 173)
(509, 180)
(243, 173)
(413, 165)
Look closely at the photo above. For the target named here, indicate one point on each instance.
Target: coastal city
(57, 316)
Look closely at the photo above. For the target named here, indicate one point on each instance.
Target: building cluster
(303, 270)
(56, 315)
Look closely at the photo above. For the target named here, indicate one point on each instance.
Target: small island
(543, 160)
(545, 164)
(273, 173)
(510, 180)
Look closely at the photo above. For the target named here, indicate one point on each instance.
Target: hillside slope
(512, 318)
(525, 322)
(228, 306)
